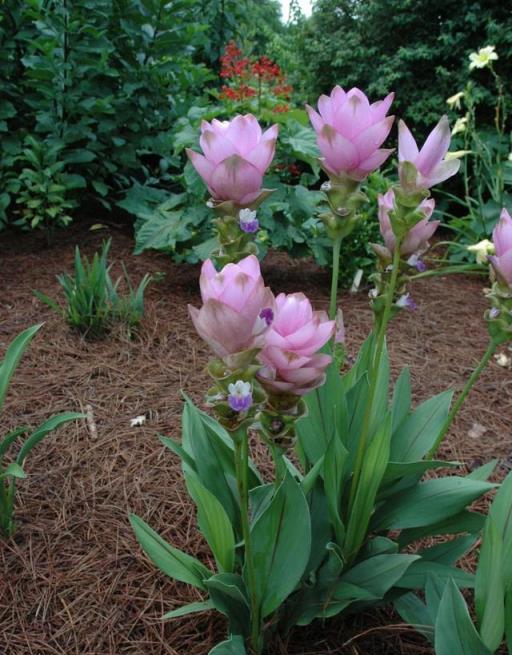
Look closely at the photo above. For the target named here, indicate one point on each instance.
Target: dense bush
(417, 48)
(99, 84)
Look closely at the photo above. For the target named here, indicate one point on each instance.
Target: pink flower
(416, 240)
(431, 165)
(350, 131)
(236, 156)
(237, 307)
(291, 362)
(502, 239)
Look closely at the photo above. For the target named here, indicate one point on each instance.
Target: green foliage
(389, 45)
(445, 618)
(98, 84)
(315, 551)
(93, 301)
(10, 473)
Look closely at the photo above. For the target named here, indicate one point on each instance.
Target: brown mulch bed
(73, 580)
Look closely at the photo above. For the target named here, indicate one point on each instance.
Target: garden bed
(74, 580)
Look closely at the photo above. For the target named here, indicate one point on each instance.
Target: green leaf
(168, 559)
(402, 398)
(501, 514)
(417, 575)
(418, 432)
(374, 464)
(450, 551)
(229, 595)
(483, 472)
(213, 523)
(455, 633)
(235, 645)
(12, 358)
(281, 543)
(414, 612)
(13, 470)
(378, 574)
(489, 587)
(465, 521)
(429, 502)
(334, 473)
(40, 432)
(191, 608)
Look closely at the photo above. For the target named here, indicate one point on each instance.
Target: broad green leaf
(177, 449)
(191, 608)
(398, 470)
(169, 560)
(429, 502)
(417, 574)
(464, 521)
(402, 398)
(508, 619)
(418, 432)
(378, 574)
(281, 543)
(12, 358)
(40, 432)
(213, 523)
(235, 645)
(374, 464)
(413, 611)
(489, 587)
(455, 633)
(229, 596)
(450, 551)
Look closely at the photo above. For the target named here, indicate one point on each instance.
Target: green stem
(374, 373)
(491, 349)
(242, 474)
(336, 248)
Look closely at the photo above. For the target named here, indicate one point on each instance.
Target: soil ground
(73, 581)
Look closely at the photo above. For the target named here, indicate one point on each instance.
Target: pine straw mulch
(73, 580)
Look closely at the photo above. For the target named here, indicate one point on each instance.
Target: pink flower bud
(416, 240)
(237, 307)
(502, 239)
(430, 163)
(236, 156)
(291, 362)
(350, 131)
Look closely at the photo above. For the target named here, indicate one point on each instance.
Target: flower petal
(435, 147)
(201, 164)
(407, 148)
(235, 179)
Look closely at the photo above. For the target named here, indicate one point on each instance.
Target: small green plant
(42, 187)
(93, 302)
(13, 471)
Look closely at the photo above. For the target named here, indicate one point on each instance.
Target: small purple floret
(421, 266)
(250, 226)
(267, 315)
(406, 302)
(240, 396)
(494, 313)
(240, 403)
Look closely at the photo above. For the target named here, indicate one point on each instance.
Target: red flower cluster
(266, 69)
(240, 93)
(251, 77)
(281, 109)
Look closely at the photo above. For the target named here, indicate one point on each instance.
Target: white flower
(483, 57)
(246, 215)
(240, 389)
(460, 125)
(481, 250)
(503, 360)
(138, 421)
(454, 101)
(456, 154)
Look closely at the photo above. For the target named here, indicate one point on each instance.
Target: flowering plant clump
(335, 528)
(253, 77)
